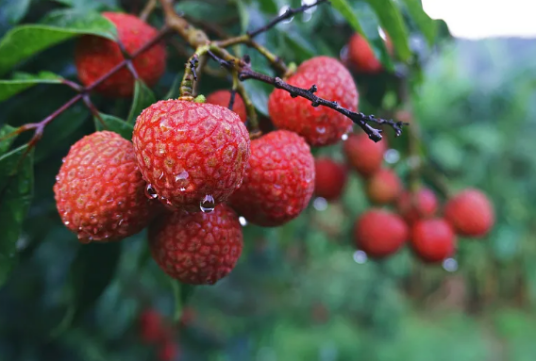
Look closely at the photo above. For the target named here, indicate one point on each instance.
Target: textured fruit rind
(318, 125)
(279, 180)
(470, 213)
(384, 187)
(187, 151)
(99, 191)
(433, 240)
(380, 233)
(417, 205)
(96, 56)
(197, 248)
(330, 178)
(363, 154)
(223, 97)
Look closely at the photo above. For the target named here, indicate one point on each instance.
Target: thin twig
(148, 9)
(286, 15)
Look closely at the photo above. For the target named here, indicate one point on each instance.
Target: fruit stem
(250, 108)
(190, 78)
(148, 9)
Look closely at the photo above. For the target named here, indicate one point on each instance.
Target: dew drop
(344, 137)
(207, 204)
(57, 178)
(181, 176)
(450, 265)
(321, 130)
(63, 160)
(66, 223)
(243, 221)
(320, 204)
(182, 189)
(360, 257)
(150, 192)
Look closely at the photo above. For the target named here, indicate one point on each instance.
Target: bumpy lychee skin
(95, 56)
(191, 153)
(99, 190)
(470, 213)
(223, 97)
(433, 240)
(197, 248)
(279, 181)
(421, 204)
(318, 125)
(363, 154)
(362, 57)
(384, 187)
(380, 233)
(330, 179)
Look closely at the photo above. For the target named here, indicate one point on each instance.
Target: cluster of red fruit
(380, 232)
(191, 169)
(153, 330)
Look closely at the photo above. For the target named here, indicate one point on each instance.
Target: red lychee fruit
(417, 205)
(99, 190)
(470, 213)
(318, 125)
(362, 57)
(384, 187)
(193, 155)
(279, 180)
(188, 316)
(96, 56)
(151, 328)
(380, 233)
(168, 351)
(365, 155)
(433, 240)
(223, 97)
(197, 248)
(330, 178)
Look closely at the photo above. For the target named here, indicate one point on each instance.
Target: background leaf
(143, 97)
(23, 81)
(426, 25)
(115, 124)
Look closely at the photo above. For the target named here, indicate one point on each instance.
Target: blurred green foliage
(299, 292)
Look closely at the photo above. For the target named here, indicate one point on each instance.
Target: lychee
(330, 178)
(380, 233)
(99, 190)
(363, 154)
(470, 213)
(96, 56)
(421, 204)
(318, 125)
(151, 326)
(433, 240)
(279, 181)
(362, 57)
(384, 187)
(197, 248)
(193, 155)
(223, 97)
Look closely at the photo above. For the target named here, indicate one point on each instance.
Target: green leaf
(91, 271)
(243, 14)
(5, 143)
(23, 81)
(115, 124)
(393, 23)
(370, 31)
(181, 293)
(268, 6)
(90, 5)
(259, 93)
(15, 198)
(14, 10)
(426, 24)
(143, 97)
(26, 40)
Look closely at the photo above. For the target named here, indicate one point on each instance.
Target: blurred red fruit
(168, 351)
(433, 240)
(417, 205)
(384, 187)
(330, 178)
(470, 213)
(364, 154)
(380, 233)
(151, 328)
(223, 97)
(362, 57)
(188, 316)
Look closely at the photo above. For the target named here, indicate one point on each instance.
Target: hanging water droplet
(181, 176)
(182, 189)
(360, 257)
(243, 221)
(320, 204)
(150, 192)
(207, 204)
(344, 137)
(321, 130)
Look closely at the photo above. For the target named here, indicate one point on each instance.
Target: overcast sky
(485, 18)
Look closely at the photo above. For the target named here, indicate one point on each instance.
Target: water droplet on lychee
(360, 257)
(63, 160)
(344, 137)
(57, 178)
(243, 221)
(150, 192)
(320, 204)
(66, 223)
(321, 130)
(181, 176)
(207, 204)
(182, 189)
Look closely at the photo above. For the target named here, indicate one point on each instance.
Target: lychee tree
(125, 116)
